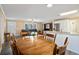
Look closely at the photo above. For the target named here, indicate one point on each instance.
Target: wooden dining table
(35, 46)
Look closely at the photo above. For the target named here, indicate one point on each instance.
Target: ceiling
(37, 11)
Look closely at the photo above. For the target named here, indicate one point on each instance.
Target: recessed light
(49, 5)
(69, 12)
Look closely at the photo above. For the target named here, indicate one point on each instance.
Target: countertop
(67, 33)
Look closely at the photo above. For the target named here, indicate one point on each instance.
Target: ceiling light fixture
(70, 12)
(49, 5)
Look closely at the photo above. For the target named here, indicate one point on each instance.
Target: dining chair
(7, 36)
(55, 49)
(13, 39)
(66, 40)
(15, 49)
(62, 49)
(24, 33)
(55, 37)
(12, 36)
(51, 37)
(40, 34)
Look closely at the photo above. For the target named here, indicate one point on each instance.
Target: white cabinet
(63, 25)
(68, 25)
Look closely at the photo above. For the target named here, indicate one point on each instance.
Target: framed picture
(48, 26)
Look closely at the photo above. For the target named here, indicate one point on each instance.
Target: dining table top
(35, 46)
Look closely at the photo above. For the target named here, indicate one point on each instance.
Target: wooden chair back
(7, 36)
(52, 36)
(66, 40)
(15, 49)
(24, 33)
(40, 34)
(55, 37)
(13, 37)
(61, 50)
(55, 50)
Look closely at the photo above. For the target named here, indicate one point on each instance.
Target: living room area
(39, 29)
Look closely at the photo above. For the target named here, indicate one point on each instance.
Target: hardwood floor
(38, 46)
(6, 50)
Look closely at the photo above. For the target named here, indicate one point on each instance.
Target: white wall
(2, 30)
(2, 26)
(77, 25)
(72, 25)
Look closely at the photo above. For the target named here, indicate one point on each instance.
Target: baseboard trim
(73, 51)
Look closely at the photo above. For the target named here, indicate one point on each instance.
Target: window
(30, 26)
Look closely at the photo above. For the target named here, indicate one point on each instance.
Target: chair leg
(63, 53)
